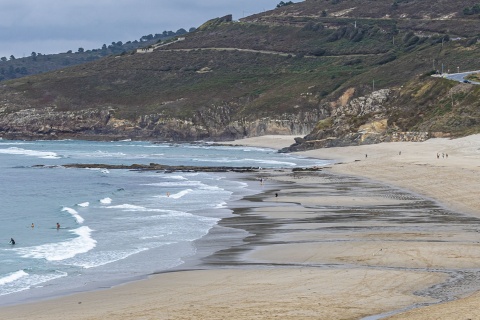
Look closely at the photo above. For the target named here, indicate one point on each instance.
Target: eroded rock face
(94, 124)
(362, 120)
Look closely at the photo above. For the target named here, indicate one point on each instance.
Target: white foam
(102, 170)
(30, 280)
(97, 259)
(176, 184)
(83, 204)
(175, 177)
(128, 207)
(12, 277)
(106, 201)
(180, 194)
(61, 250)
(75, 214)
(30, 153)
(221, 205)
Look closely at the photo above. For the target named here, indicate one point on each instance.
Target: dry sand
(324, 252)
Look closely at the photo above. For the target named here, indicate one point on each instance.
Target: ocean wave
(74, 214)
(26, 281)
(105, 154)
(221, 205)
(61, 250)
(102, 170)
(83, 204)
(106, 201)
(30, 153)
(97, 259)
(164, 214)
(128, 207)
(175, 177)
(181, 183)
(180, 194)
(12, 277)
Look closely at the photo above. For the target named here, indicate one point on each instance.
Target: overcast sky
(54, 26)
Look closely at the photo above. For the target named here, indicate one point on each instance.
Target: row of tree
(116, 47)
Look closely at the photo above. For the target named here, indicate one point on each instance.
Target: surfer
(58, 225)
(12, 242)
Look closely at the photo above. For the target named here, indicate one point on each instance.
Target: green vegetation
(268, 65)
(283, 4)
(39, 63)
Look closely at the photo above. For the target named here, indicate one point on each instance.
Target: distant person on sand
(366, 156)
(12, 242)
(58, 225)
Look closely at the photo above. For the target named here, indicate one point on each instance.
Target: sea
(115, 225)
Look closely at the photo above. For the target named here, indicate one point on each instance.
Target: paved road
(460, 77)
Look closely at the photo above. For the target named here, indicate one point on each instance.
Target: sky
(55, 26)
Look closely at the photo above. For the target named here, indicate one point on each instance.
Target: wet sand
(333, 245)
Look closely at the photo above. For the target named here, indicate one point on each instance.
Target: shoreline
(307, 257)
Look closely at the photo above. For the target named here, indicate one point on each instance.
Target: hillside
(339, 72)
(16, 67)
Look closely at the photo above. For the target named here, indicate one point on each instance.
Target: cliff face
(95, 124)
(362, 120)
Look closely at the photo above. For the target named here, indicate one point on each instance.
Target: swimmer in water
(58, 225)
(12, 242)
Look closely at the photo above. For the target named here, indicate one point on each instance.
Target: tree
(69, 51)
(181, 31)
(81, 50)
(3, 58)
(12, 57)
(283, 4)
(146, 38)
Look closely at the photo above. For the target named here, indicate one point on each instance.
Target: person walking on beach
(58, 225)
(12, 242)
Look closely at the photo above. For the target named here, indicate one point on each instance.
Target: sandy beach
(393, 227)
